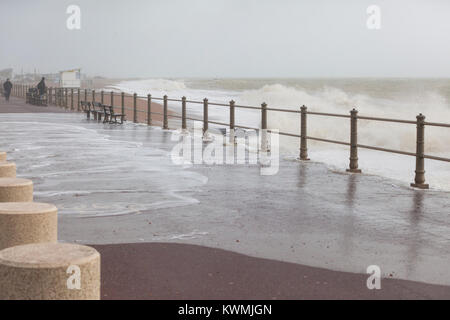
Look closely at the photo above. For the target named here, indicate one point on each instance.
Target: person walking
(42, 88)
(7, 87)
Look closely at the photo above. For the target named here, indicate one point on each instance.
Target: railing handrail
(337, 115)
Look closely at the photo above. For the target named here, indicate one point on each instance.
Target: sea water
(389, 98)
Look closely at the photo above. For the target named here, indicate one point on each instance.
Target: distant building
(6, 74)
(70, 78)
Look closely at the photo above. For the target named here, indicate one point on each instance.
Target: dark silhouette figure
(7, 86)
(41, 87)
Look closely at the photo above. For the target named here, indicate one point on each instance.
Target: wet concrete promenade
(117, 184)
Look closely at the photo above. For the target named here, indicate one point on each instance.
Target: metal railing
(64, 97)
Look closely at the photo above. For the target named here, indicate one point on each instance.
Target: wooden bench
(113, 116)
(106, 114)
(33, 97)
(97, 110)
(86, 107)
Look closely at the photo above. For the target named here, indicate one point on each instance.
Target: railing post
(135, 108)
(66, 99)
(165, 119)
(78, 99)
(205, 115)
(85, 95)
(102, 97)
(112, 99)
(419, 181)
(303, 134)
(232, 123)
(122, 95)
(93, 95)
(149, 109)
(71, 99)
(354, 142)
(264, 146)
(50, 95)
(183, 114)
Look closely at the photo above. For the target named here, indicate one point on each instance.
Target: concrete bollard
(16, 190)
(7, 169)
(2, 156)
(50, 271)
(27, 222)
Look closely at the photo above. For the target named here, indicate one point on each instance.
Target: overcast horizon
(228, 38)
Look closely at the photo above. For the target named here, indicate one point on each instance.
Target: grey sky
(228, 38)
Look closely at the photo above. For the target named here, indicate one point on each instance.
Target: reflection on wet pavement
(305, 214)
(87, 173)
